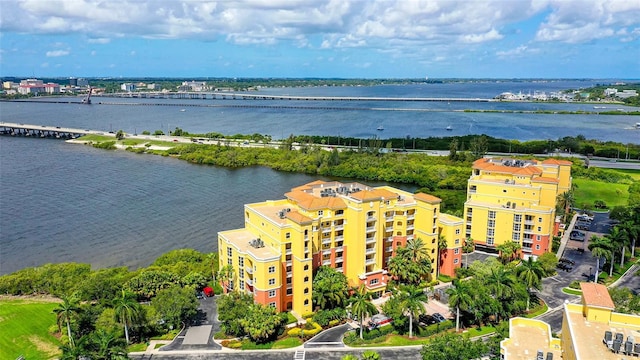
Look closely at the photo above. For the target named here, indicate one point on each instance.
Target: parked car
(585, 217)
(582, 226)
(426, 319)
(567, 261)
(379, 320)
(577, 236)
(438, 317)
(565, 267)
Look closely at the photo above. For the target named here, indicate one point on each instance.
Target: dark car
(438, 317)
(426, 319)
(565, 267)
(567, 261)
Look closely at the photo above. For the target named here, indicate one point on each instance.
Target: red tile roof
(596, 295)
(427, 198)
(557, 162)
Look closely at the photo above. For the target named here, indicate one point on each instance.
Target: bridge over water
(44, 131)
(217, 95)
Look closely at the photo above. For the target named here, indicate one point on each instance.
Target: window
(455, 261)
(306, 279)
(287, 235)
(457, 231)
(288, 280)
(339, 212)
(515, 236)
(457, 242)
(539, 219)
(516, 227)
(320, 213)
(289, 291)
(539, 228)
(306, 267)
(231, 284)
(289, 268)
(241, 283)
(272, 281)
(492, 214)
(456, 251)
(273, 305)
(306, 302)
(241, 262)
(229, 252)
(272, 293)
(272, 269)
(537, 247)
(230, 261)
(517, 218)
(491, 223)
(373, 282)
(537, 237)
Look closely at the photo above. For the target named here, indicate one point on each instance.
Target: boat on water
(380, 128)
(599, 107)
(449, 128)
(183, 110)
(637, 127)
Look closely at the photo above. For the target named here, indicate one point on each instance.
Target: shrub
(333, 323)
(232, 344)
(378, 332)
(294, 332)
(435, 328)
(324, 317)
(575, 284)
(307, 315)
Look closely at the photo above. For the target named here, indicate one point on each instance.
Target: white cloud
(44, 65)
(99, 41)
(519, 51)
(56, 53)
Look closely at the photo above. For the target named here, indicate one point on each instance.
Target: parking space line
(299, 355)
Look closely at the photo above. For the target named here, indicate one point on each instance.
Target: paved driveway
(330, 338)
(199, 334)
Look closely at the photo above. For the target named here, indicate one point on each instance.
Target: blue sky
(321, 38)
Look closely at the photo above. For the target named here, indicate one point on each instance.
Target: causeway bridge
(44, 131)
(218, 95)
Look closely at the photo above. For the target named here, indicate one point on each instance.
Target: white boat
(638, 125)
(182, 110)
(449, 128)
(380, 128)
(599, 107)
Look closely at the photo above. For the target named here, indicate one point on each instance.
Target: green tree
(231, 309)
(226, 275)
(412, 303)
(126, 310)
(479, 146)
(548, 261)
(442, 248)
(107, 346)
(530, 272)
(508, 251)
(176, 304)
(350, 357)
(361, 305)
(453, 347)
(459, 298)
(618, 239)
(262, 323)
(65, 311)
(564, 203)
(330, 288)
(370, 355)
(600, 247)
(501, 284)
(453, 149)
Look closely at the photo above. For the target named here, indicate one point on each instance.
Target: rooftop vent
(256, 243)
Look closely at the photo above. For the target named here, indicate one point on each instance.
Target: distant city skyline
(597, 39)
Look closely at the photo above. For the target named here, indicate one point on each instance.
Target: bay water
(65, 202)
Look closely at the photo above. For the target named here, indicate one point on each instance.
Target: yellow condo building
(351, 227)
(515, 200)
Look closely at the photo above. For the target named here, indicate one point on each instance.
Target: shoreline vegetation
(444, 173)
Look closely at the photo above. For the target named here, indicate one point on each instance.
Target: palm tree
(417, 249)
(108, 345)
(64, 312)
(468, 247)
(500, 282)
(213, 258)
(412, 301)
(530, 272)
(633, 232)
(442, 247)
(617, 239)
(361, 305)
(459, 297)
(600, 247)
(126, 310)
(508, 251)
(564, 201)
(225, 275)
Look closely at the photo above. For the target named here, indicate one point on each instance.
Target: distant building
(35, 86)
(193, 86)
(626, 94)
(73, 82)
(9, 85)
(82, 82)
(610, 91)
(154, 86)
(128, 87)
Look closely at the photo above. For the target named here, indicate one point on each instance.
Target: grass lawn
(536, 311)
(284, 343)
(589, 191)
(480, 331)
(24, 329)
(571, 291)
(635, 174)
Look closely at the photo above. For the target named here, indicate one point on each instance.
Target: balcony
(411, 216)
(339, 238)
(326, 241)
(371, 229)
(287, 251)
(339, 227)
(371, 218)
(249, 270)
(389, 248)
(326, 252)
(326, 262)
(389, 218)
(370, 251)
(249, 282)
(409, 237)
(410, 227)
(371, 240)
(326, 230)
(371, 261)
(339, 248)
(339, 259)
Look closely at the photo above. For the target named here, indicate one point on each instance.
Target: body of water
(62, 202)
